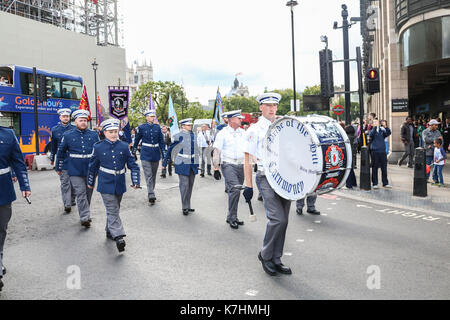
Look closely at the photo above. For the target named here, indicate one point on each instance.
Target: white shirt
(231, 142)
(254, 137)
(203, 139)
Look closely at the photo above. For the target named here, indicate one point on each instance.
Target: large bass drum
(306, 155)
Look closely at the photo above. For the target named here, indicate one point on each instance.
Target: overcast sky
(204, 43)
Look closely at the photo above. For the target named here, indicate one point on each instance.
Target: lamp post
(94, 67)
(292, 4)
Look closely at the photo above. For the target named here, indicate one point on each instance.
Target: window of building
(71, 89)
(6, 76)
(11, 120)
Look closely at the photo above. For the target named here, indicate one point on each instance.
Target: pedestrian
(152, 151)
(407, 135)
(429, 135)
(310, 205)
(108, 162)
(229, 153)
(420, 129)
(378, 134)
(277, 208)
(446, 134)
(11, 159)
(439, 161)
(67, 192)
(77, 145)
(186, 162)
(167, 141)
(351, 179)
(222, 125)
(204, 141)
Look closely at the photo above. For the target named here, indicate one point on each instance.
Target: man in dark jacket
(408, 133)
(378, 152)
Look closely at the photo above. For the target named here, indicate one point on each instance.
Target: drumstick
(252, 216)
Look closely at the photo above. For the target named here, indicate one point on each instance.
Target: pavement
(355, 250)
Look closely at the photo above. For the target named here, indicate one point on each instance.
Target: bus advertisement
(17, 103)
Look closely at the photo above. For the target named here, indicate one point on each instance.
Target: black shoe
(226, 191)
(170, 174)
(260, 198)
(74, 203)
(191, 210)
(268, 266)
(3, 271)
(163, 176)
(1, 284)
(67, 209)
(120, 243)
(281, 268)
(109, 236)
(86, 223)
(185, 212)
(299, 212)
(202, 175)
(152, 200)
(313, 212)
(233, 224)
(209, 174)
(239, 222)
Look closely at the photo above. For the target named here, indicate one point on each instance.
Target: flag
(152, 107)
(173, 121)
(100, 117)
(84, 103)
(218, 109)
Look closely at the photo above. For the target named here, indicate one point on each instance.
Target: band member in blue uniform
(185, 148)
(11, 158)
(67, 192)
(152, 150)
(77, 145)
(108, 162)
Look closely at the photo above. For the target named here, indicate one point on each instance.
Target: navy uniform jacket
(57, 134)
(77, 146)
(221, 126)
(112, 156)
(11, 158)
(184, 144)
(152, 142)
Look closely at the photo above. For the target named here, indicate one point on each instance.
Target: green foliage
(247, 105)
(195, 111)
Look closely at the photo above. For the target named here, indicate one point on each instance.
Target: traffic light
(372, 80)
(326, 73)
(43, 88)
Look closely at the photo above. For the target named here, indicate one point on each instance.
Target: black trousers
(379, 160)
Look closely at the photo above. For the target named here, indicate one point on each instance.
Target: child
(108, 162)
(439, 160)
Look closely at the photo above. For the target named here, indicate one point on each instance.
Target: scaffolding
(96, 18)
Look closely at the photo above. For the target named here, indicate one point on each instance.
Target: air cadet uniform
(186, 163)
(11, 159)
(108, 162)
(230, 142)
(67, 192)
(77, 145)
(277, 208)
(152, 149)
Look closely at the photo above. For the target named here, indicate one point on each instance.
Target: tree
(284, 107)
(245, 104)
(160, 94)
(196, 111)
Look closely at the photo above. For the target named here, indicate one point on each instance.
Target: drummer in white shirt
(229, 152)
(277, 208)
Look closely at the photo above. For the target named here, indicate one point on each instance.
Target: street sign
(313, 103)
(338, 110)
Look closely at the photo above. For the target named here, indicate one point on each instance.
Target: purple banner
(118, 102)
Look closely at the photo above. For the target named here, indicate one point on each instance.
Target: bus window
(71, 89)
(11, 120)
(55, 85)
(26, 82)
(6, 76)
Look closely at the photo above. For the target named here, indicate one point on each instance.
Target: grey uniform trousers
(150, 170)
(186, 186)
(233, 175)
(113, 223)
(409, 152)
(310, 202)
(5, 216)
(206, 159)
(277, 211)
(84, 195)
(67, 192)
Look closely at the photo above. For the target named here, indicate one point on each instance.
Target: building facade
(139, 74)
(409, 41)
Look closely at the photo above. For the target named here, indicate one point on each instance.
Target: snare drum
(306, 155)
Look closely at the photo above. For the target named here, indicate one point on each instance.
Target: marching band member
(11, 159)
(108, 162)
(77, 145)
(152, 150)
(277, 208)
(186, 162)
(67, 192)
(229, 152)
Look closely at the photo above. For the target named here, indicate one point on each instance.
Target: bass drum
(306, 155)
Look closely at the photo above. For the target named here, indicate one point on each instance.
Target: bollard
(420, 174)
(364, 171)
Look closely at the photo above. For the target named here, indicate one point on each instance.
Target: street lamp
(292, 4)
(94, 67)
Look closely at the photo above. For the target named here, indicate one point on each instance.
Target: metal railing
(406, 9)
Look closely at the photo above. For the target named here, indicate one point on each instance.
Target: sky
(203, 44)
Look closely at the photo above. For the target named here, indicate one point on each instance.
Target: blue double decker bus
(17, 103)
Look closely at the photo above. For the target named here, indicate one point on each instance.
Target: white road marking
(334, 203)
(251, 292)
(287, 254)
(302, 240)
(310, 230)
(329, 208)
(363, 206)
(325, 214)
(317, 221)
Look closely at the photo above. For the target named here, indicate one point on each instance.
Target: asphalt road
(354, 250)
